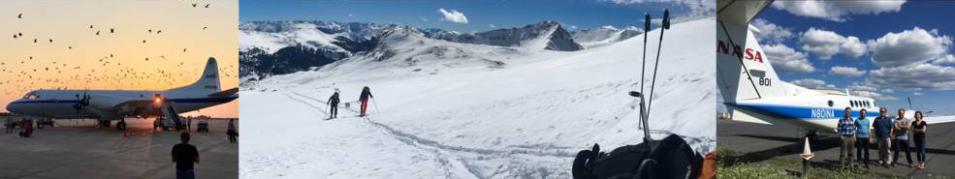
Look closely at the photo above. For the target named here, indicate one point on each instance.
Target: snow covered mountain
(273, 48)
(603, 35)
(444, 109)
(542, 35)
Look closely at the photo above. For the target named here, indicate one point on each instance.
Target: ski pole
(646, 28)
(665, 25)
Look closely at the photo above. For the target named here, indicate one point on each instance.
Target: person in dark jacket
(231, 132)
(365, 94)
(185, 155)
(333, 105)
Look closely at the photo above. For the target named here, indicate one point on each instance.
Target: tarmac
(759, 143)
(79, 149)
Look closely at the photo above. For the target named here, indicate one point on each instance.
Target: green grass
(730, 166)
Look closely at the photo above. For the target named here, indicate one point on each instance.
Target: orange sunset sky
(178, 40)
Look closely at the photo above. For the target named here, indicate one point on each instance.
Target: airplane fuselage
(62, 104)
(819, 112)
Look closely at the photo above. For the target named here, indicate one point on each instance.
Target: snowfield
(454, 110)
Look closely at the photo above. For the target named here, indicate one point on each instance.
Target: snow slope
(457, 115)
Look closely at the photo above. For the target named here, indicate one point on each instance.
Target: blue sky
(861, 56)
(481, 15)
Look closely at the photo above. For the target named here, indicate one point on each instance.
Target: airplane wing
(739, 11)
(938, 119)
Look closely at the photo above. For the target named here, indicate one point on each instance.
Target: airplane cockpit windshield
(31, 96)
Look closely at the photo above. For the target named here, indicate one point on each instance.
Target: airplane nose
(13, 107)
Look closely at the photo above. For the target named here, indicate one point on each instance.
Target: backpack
(671, 157)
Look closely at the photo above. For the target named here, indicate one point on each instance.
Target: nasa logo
(750, 54)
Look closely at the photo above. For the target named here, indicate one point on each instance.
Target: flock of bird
(30, 73)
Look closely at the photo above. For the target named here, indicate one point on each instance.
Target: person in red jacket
(365, 94)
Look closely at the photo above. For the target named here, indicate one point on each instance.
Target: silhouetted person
(231, 132)
(27, 128)
(862, 138)
(333, 105)
(365, 94)
(185, 155)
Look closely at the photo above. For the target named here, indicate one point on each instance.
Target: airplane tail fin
(208, 83)
(743, 70)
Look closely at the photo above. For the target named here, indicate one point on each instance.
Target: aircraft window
(830, 103)
(866, 103)
(852, 103)
(31, 96)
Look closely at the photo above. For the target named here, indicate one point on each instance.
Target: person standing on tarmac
(185, 155)
(333, 105)
(365, 94)
(862, 138)
(231, 132)
(919, 127)
(901, 128)
(847, 132)
(883, 129)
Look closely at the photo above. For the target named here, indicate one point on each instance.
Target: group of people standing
(26, 126)
(334, 100)
(890, 134)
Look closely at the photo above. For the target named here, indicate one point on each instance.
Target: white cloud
(909, 46)
(857, 86)
(809, 83)
(837, 10)
(769, 32)
(492, 26)
(846, 71)
(824, 44)
(453, 16)
(697, 9)
(873, 95)
(916, 93)
(947, 59)
(787, 59)
(913, 77)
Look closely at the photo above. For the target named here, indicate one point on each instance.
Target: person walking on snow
(333, 105)
(365, 94)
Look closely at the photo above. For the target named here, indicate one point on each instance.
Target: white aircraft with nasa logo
(752, 91)
(109, 105)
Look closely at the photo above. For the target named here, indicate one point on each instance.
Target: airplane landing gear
(121, 125)
(104, 123)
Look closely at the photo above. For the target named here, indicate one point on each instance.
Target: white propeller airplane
(752, 91)
(109, 105)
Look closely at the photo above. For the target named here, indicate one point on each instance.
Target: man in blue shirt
(862, 138)
(847, 132)
(883, 129)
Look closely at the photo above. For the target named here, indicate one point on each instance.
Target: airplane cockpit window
(852, 103)
(31, 96)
